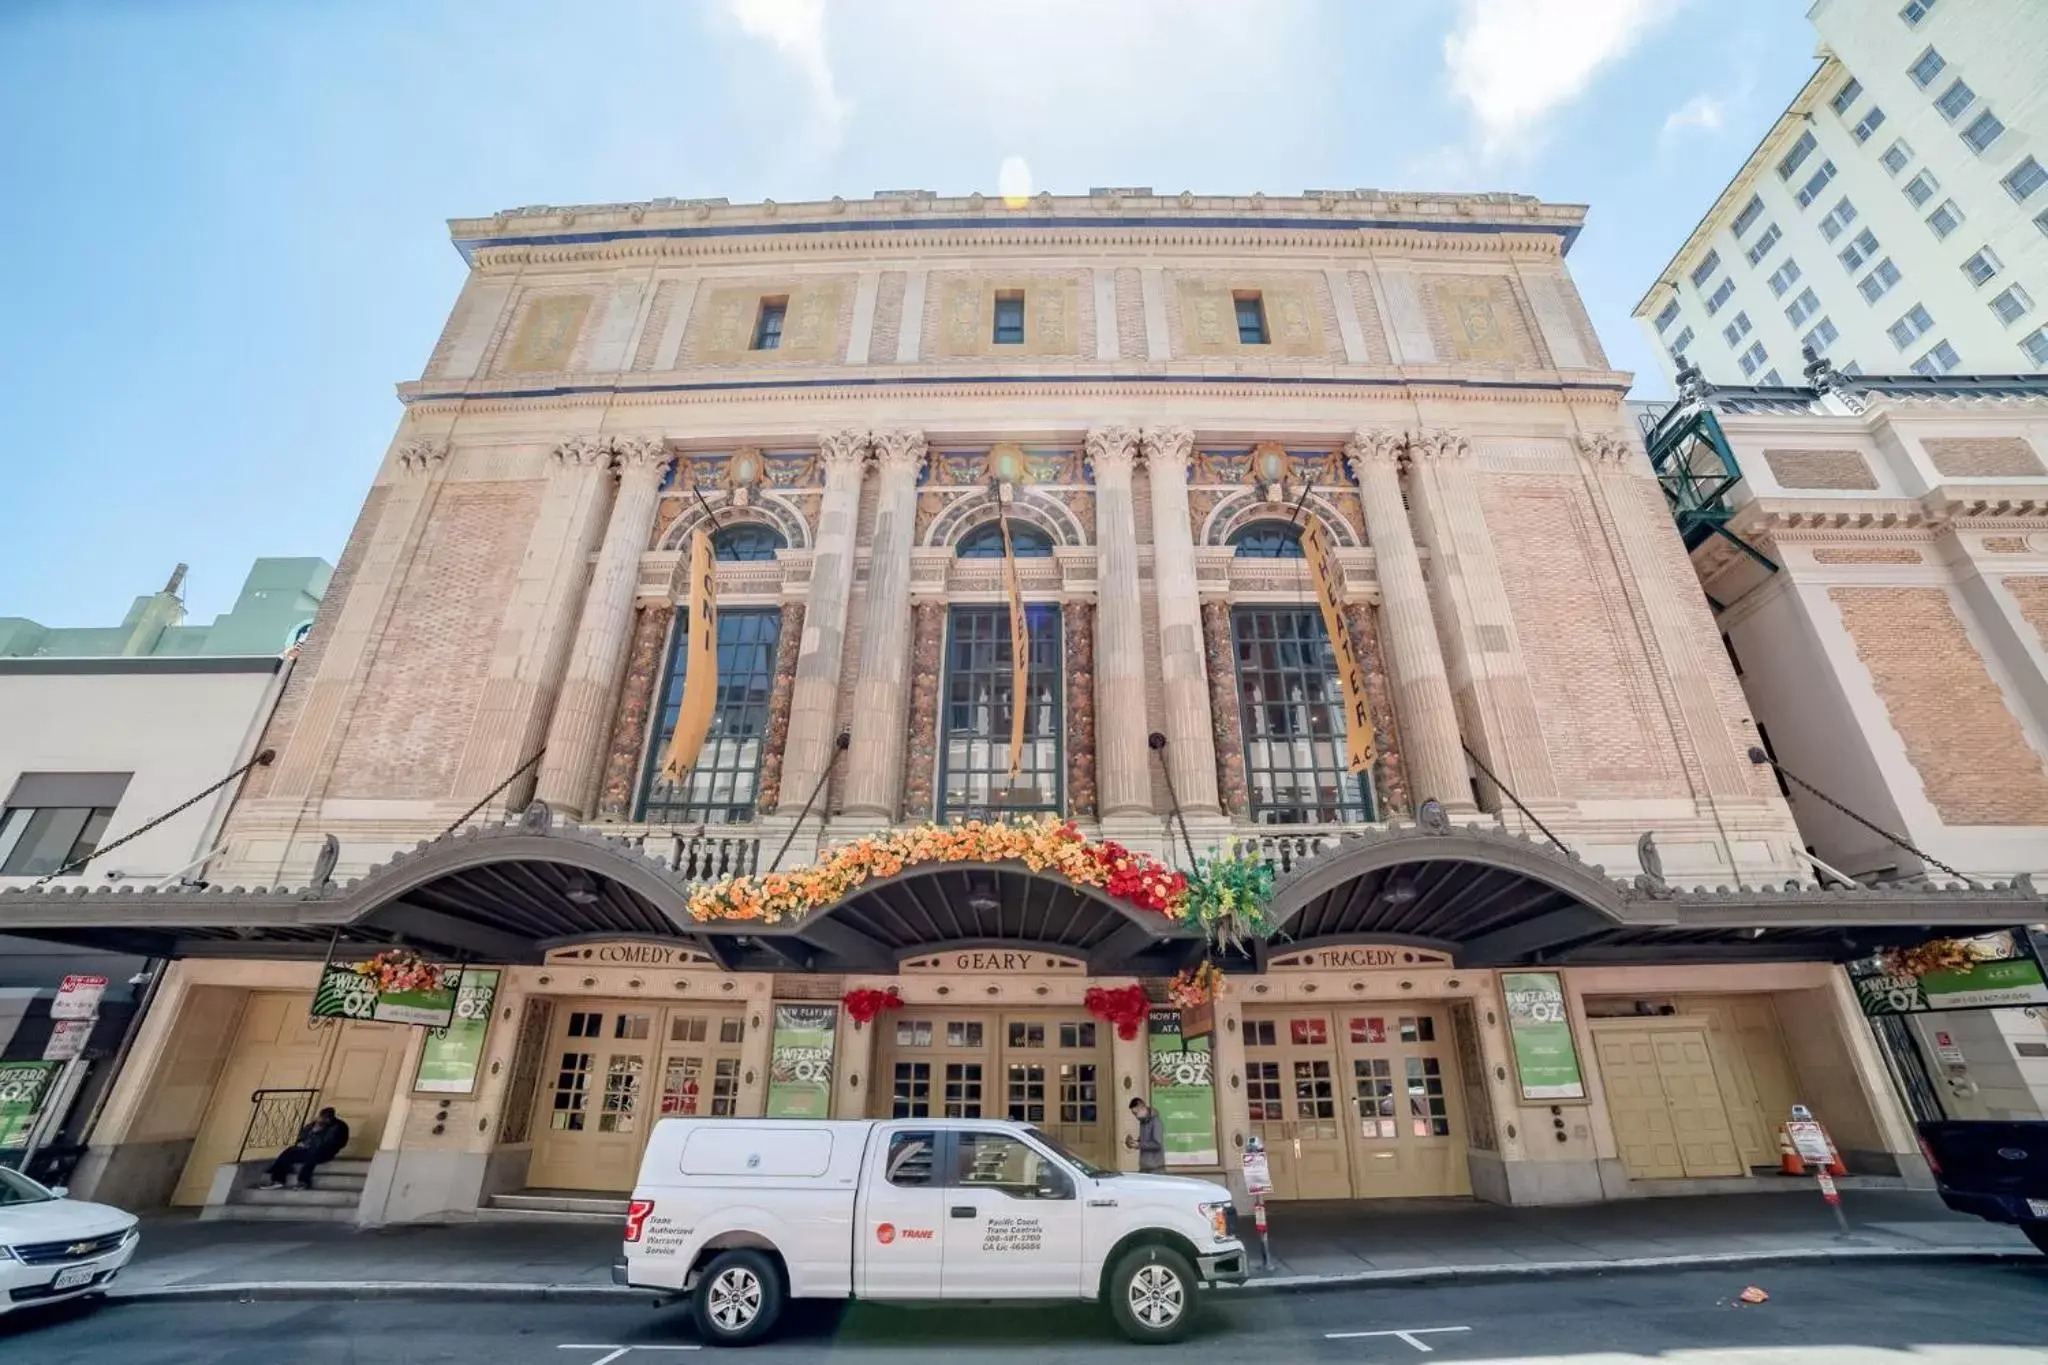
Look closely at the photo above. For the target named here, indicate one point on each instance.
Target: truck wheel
(1152, 1295)
(2037, 1233)
(738, 1298)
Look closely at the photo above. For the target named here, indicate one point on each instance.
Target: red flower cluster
(1125, 1006)
(1144, 882)
(865, 1005)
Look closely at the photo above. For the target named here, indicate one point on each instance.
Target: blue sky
(226, 230)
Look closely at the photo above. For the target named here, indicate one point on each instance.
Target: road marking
(1407, 1334)
(615, 1349)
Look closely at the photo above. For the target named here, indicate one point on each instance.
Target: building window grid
(1251, 320)
(1940, 360)
(1719, 298)
(1811, 190)
(1802, 308)
(746, 544)
(1878, 282)
(768, 324)
(1292, 710)
(1984, 130)
(1915, 11)
(1945, 219)
(38, 840)
(1009, 319)
(1846, 96)
(721, 788)
(1795, 158)
(1921, 188)
(1823, 335)
(1753, 359)
(1681, 341)
(1926, 67)
(1982, 266)
(2035, 344)
(1954, 100)
(1735, 331)
(1897, 157)
(1861, 248)
(1704, 271)
(1784, 277)
(1751, 211)
(974, 749)
(1838, 218)
(1871, 121)
(1668, 316)
(1915, 323)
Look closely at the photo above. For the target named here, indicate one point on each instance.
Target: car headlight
(1219, 1218)
(7, 1253)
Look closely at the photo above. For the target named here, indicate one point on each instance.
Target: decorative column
(1191, 745)
(1078, 625)
(786, 642)
(1422, 689)
(927, 667)
(814, 698)
(1221, 642)
(583, 707)
(618, 788)
(1120, 751)
(874, 769)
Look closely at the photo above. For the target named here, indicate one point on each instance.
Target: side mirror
(60, 1191)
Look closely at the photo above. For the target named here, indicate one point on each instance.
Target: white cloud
(1703, 112)
(796, 29)
(1514, 62)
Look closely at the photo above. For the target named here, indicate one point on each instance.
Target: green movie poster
(345, 993)
(1997, 984)
(1541, 1027)
(800, 1062)
(22, 1085)
(1182, 1091)
(450, 1057)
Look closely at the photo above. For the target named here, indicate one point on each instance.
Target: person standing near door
(1151, 1138)
(319, 1142)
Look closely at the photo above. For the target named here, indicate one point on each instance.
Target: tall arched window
(746, 541)
(1268, 540)
(986, 542)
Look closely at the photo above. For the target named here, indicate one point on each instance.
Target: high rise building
(1894, 219)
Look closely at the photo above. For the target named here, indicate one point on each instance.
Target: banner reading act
(1315, 548)
(700, 667)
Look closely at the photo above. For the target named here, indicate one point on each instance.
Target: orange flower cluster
(1047, 845)
(1198, 985)
(399, 970)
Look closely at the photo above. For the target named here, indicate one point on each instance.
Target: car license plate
(2038, 1207)
(74, 1277)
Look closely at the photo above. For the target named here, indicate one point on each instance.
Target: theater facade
(1557, 943)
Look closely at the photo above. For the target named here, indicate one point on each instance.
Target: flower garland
(1198, 985)
(1936, 955)
(1124, 1006)
(864, 1006)
(400, 970)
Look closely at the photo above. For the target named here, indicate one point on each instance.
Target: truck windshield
(1081, 1164)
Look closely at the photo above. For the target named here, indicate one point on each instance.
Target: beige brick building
(1156, 391)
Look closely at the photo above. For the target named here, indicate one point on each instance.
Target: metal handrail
(273, 1112)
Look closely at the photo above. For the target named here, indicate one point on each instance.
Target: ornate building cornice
(1437, 444)
(1603, 447)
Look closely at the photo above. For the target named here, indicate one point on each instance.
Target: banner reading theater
(1315, 548)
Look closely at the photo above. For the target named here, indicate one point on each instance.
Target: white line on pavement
(615, 1349)
(1407, 1334)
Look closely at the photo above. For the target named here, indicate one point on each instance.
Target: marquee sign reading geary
(993, 962)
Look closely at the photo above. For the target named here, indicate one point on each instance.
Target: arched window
(986, 542)
(745, 542)
(1268, 540)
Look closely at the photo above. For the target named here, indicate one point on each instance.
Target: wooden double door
(1700, 1092)
(1046, 1067)
(611, 1069)
(1360, 1102)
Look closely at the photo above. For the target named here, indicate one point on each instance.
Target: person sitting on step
(319, 1142)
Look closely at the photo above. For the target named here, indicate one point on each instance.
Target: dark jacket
(323, 1143)
(1152, 1142)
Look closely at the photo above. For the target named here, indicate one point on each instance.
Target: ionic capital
(1167, 448)
(839, 449)
(899, 451)
(422, 455)
(1374, 446)
(1111, 450)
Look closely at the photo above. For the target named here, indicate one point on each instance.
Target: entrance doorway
(1362, 1102)
(595, 1106)
(278, 1045)
(1044, 1067)
(1670, 1121)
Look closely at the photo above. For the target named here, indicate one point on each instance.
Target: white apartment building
(1894, 218)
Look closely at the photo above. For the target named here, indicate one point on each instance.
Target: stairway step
(324, 1181)
(595, 1205)
(313, 1198)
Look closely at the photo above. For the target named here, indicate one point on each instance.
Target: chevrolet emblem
(79, 1248)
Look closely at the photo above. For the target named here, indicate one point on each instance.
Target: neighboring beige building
(1154, 387)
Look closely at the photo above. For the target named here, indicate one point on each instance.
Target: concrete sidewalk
(1313, 1244)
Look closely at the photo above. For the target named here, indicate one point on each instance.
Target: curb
(487, 1291)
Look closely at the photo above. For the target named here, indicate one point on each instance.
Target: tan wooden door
(359, 1078)
(1756, 1075)
(1699, 1115)
(594, 1104)
(1300, 1105)
(1670, 1119)
(275, 1047)
(1407, 1127)
(700, 1063)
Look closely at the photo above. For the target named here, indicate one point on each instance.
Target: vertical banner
(1315, 548)
(700, 664)
(1020, 650)
(22, 1087)
(1545, 1057)
(800, 1062)
(451, 1055)
(1182, 1090)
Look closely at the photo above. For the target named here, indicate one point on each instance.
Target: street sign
(67, 1039)
(1827, 1188)
(1258, 1175)
(1810, 1141)
(79, 998)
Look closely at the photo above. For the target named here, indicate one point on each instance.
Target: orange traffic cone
(1789, 1161)
(1835, 1166)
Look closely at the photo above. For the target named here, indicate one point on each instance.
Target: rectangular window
(974, 759)
(1772, 379)
(1802, 308)
(1811, 190)
(1846, 96)
(1897, 156)
(1736, 330)
(1921, 188)
(1009, 323)
(2012, 305)
(1722, 293)
(1753, 359)
(2024, 179)
(1681, 341)
(1763, 245)
(1795, 158)
(1668, 316)
(1984, 130)
(1872, 120)
(1704, 271)
(1877, 282)
(1782, 278)
(1982, 266)
(2035, 344)
(1292, 710)
(1838, 218)
(721, 789)
(1860, 249)
(1945, 219)
(910, 1159)
(768, 324)
(1916, 323)
(1954, 100)
(1926, 68)
(1913, 13)
(1751, 211)
(1940, 360)
(1251, 320)
(1821, 337)
(38, 840)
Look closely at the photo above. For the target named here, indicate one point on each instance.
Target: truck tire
(738, 1298)
(1152, 1295)
(2037, 1233)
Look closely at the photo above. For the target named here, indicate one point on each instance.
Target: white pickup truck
(745, 1215)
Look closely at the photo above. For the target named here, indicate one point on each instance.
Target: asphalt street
(1985, 1314)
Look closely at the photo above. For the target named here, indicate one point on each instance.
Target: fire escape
(1697, 469)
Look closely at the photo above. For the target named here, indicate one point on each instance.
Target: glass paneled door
(1408, 1129)
(1296, 1094)
(1045, 1067)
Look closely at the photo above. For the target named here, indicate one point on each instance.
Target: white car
(745, 1215)
(53, 1248)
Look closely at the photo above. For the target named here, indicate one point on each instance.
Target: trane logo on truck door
(887, 1233)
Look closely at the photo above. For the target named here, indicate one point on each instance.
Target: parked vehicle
(1996, 1169)
(745, 1216)
(53, 1248)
